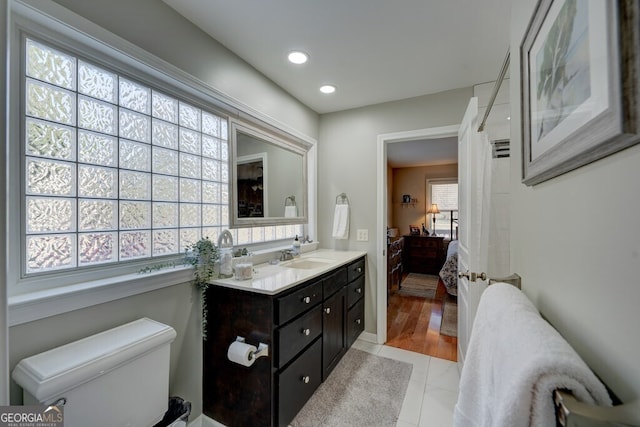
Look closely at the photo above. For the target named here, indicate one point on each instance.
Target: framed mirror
(268, 177)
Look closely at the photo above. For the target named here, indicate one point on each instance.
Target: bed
(449, 271)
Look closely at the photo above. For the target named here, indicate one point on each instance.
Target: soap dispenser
(296, 246)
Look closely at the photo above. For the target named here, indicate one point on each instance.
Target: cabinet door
(355, 322)
(356, 269)
(298, 334)
(333, 331)
(297, 383)
(334, 281)
(355, 291)
(299, 301)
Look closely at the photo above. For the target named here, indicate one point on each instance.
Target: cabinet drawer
(297, 383)
(424, 253)
(355, 270)
(334, 282)
(355, 291)
(355, 322)
(291, 305)
(428, 243)
(297, 335)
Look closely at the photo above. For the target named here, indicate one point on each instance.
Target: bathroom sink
(306, 263)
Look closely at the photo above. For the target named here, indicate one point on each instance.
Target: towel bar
(342, 199)
(571, 413)
(514, 280)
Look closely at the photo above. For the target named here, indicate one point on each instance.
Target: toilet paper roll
(240, 353)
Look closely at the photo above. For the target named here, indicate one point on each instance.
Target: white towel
(290, 211)
(341, 222)
(515, 360)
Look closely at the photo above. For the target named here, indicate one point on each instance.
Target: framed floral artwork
(580, 85)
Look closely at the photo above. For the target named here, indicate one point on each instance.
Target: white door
(472, 257)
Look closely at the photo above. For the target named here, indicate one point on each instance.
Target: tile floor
(433, 386)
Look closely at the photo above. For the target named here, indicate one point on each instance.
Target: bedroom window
(445, 194)
(114, 169)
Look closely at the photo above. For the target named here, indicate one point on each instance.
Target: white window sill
(50, 302)
(31, 306)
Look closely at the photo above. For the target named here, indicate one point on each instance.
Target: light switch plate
(362, 235)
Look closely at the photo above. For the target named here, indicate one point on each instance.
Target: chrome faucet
(286, 255)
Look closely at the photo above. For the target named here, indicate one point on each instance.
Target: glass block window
(116, 170)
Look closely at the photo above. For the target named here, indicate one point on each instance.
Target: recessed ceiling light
(327, 88)
(298, 57)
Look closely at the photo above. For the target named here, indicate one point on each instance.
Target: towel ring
(342, 199)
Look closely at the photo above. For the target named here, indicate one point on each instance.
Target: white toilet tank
(118, 377)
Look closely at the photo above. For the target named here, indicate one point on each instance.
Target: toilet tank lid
(52, 372)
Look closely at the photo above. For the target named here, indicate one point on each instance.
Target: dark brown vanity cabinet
(308, 329)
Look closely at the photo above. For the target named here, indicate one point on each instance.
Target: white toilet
(118, 377)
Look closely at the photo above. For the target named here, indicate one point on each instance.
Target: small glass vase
(226, 263)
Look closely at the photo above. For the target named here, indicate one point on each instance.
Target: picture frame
(414, 230)
(579, 85)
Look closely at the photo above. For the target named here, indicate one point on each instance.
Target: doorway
(416, 313)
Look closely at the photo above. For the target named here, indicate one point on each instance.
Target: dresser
(394, 261)
(423, 254)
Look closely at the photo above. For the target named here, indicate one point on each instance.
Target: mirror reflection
(269, 178)
(251, 186)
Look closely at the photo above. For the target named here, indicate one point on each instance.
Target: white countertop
(272, 279)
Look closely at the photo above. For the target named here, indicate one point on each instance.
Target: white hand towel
(290, 211)
(341, 222)
(515, 360)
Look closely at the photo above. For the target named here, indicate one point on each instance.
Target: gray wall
(158, 29)
(575, 241)
(177, 306)
(153, 26)
(413, 181)
(347, 163)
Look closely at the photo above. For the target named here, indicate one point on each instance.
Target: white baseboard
(369, 337)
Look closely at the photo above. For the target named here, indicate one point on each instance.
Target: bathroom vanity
(308, 311)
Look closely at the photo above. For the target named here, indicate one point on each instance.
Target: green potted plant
(202, 255)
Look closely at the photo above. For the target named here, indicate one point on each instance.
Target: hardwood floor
(413, 323)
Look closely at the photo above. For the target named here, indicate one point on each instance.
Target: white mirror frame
(279, 139)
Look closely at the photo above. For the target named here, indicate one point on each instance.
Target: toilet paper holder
(263, 349)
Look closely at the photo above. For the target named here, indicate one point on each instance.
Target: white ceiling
(373, 50)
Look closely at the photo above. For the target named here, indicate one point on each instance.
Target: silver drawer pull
(359, 290)
(306, 331)
(306, 300)
(358, 321)
(359, 269)
(305, 379)
(327, 310)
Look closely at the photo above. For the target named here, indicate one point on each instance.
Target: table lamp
(433, 209)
